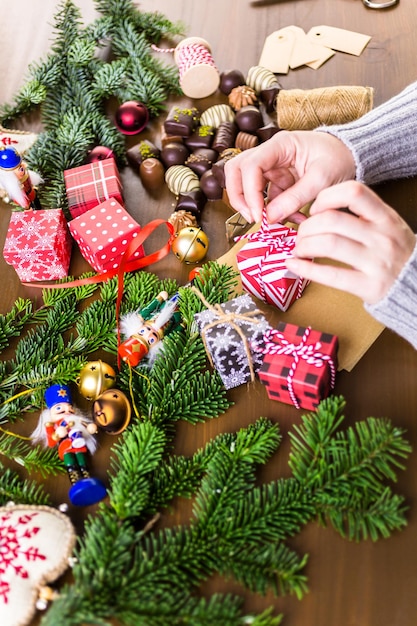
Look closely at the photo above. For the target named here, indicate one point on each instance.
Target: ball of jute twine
(299, 109)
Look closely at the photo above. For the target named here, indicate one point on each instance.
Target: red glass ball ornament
(99, 153)
(131, 117)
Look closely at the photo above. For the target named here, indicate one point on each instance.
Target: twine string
(276, 343)
(188, 56)
(228, 317)
(299, 109)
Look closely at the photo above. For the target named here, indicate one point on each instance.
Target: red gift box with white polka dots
(299, 365)
(104, 233)
(91, 184)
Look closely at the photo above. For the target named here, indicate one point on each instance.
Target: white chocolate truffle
(260, 78)
(181, 179)
(215, 115)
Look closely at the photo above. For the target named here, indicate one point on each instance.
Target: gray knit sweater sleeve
(384, 145)
(398, 309)
(383, 141)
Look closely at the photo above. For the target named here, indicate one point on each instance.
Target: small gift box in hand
(230, 332)
(299, 365)
(261, 263)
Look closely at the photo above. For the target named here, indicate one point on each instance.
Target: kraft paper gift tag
(339, 39)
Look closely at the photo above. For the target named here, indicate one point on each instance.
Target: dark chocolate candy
(218, 167)
(210, 186)
(141, 151)
(266, 132)
(202, 137)
(174, 154)
(192, 202)
(225, 136)
(269, 98)
(249, 119)
(181, 121)
(199, 163)
(229, 79)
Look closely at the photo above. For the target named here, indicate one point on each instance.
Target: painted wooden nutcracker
(16, 179)
(62, 426)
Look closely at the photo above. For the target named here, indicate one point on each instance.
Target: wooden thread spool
(299, 109)
(199, 76)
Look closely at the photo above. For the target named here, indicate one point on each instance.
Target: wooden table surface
(351, 584)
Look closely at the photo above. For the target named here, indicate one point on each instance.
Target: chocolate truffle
(181, 121)
(152, 173)
(260, 78)
(242, 96)
(210, 186)
(181, 219)
(174, 154)
(216, 114)
(266, 132)
(202, 137)
(199, 163)
(249, 119)
(192, 202)
(244, 141)
(229, 79)
(225, 136)
(218, 167)
(143, 150)
(181, 179)
(269, 98)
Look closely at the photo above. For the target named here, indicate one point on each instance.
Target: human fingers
(343, 278)
(245, 185)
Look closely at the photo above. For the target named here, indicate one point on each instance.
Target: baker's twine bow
(228, 317)
(275, 243)
(276, 343)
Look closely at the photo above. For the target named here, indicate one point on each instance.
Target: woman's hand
(373, 240)
(293, 166)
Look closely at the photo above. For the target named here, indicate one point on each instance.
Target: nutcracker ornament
(61, 425)
(16, 179)
(147, 327)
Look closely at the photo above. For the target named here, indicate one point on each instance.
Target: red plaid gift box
(261, 263)
(103, 234)
(38, 245)
(299, 365)
(91, 184)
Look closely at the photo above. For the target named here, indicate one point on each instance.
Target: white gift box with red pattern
(103, 234)
(38, 245)
(261, 263)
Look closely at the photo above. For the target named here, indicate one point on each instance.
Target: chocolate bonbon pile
(196, 144)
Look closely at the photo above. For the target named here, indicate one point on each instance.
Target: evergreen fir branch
(12, 323)
(265, 567)
(137, 455)
(97, 326)
(174, 396)
(371, 518)
(14, 489)
(31, 458)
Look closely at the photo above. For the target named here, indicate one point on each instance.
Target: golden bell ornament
(111, 411)
(190, 245)
(94, 378)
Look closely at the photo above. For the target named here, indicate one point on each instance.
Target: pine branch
(14, 489)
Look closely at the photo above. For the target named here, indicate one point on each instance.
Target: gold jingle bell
(94, 378)
(111, 411)
(190, 244)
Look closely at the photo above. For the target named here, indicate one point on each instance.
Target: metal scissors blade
(380, 5)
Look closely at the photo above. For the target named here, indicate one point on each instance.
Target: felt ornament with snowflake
(36, 543)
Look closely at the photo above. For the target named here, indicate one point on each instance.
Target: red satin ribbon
(124, 266)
